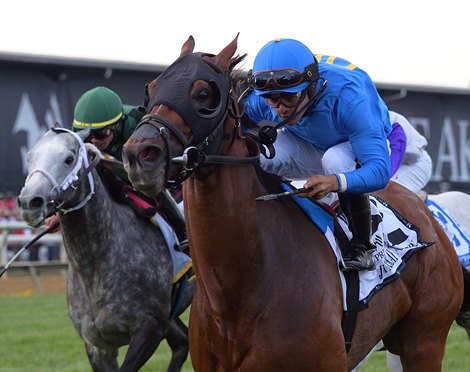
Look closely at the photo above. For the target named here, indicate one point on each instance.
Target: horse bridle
(70, 183)
(173, 84)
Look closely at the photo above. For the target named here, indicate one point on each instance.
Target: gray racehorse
(120, 272)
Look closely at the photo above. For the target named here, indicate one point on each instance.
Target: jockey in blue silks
(337, 132)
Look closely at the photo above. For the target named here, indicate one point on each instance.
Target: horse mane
(119, 189)
(112, 184)
(234, 62)
(270, 181)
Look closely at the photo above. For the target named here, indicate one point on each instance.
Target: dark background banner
(36, 92)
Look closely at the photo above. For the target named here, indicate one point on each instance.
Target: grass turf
(37, 335)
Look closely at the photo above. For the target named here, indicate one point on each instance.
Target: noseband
(206, 124)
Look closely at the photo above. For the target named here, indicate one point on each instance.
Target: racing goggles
(280, 79)
(101, 133)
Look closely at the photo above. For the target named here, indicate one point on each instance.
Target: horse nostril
(36, 202)
(149, 154)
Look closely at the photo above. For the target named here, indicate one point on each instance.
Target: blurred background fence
(37, 91)
(46, 257)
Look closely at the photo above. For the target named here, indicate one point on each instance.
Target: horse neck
(223, 225)
(86, 230)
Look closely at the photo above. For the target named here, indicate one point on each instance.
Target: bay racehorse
(269, 294)
(120, 272)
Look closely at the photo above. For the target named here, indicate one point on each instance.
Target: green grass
(37, 335)
(457, 358)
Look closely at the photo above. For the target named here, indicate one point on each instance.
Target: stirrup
(365, 262)
(359, 258)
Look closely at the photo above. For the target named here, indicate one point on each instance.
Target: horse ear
(84, 133)
(92, 151)
(188, 46)
(225, 56)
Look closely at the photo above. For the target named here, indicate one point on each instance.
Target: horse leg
(143, 344)
(103, 360)
(177, 338)
(425, 350)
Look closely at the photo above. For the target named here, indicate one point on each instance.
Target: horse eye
(69, 160)
(206, 99)
(203, 94)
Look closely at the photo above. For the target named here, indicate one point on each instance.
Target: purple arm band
(397, 139)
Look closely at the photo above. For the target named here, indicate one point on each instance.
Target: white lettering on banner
(447, 153)
(27, 121)
(464, 149)
(422, 125)
(453, 150)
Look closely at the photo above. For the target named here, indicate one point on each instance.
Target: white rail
(7, 239)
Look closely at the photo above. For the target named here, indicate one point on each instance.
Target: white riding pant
(297, 159)
(416, 167)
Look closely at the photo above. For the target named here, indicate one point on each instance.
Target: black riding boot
(169, 209)
(356, 207)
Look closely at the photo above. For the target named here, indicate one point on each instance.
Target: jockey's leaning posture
(111, 123)
(337, 133)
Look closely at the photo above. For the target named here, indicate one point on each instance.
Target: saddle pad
(394, 237)
(181, 262)
(459, 238)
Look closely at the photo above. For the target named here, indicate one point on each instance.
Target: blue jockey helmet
(280, 66)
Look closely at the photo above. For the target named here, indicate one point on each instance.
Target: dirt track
(12, 284)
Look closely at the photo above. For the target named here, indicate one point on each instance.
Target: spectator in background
(9, 210)
(9, 207)
(2, 207)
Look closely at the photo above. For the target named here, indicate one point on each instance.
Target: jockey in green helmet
(111, 122)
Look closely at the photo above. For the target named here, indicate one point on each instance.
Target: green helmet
(97, 108)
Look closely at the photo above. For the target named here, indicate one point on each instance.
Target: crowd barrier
(11, 242)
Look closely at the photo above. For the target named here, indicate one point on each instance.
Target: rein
(195, 157)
